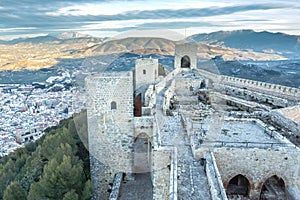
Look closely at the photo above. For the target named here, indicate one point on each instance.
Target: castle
(191, 134)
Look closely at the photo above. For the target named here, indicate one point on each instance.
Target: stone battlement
(273, 89)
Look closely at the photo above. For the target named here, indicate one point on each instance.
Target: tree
(14, 192)
(71, 195)
(87, 191)
(58, 179)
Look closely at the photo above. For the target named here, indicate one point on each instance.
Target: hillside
(54, 167)
(264, 42)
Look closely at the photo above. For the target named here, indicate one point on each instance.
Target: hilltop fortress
(192, 134)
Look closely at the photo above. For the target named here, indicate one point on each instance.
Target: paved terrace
(237, 133)
(192, 180)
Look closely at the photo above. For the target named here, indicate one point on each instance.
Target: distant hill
(147, 45)
(66, 37)
(69, 35)
(266, 42)
(33, 40)
(136, 45)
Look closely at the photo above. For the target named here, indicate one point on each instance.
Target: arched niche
(238, 186)
(185, 62)
(273, 188)
(113, 105)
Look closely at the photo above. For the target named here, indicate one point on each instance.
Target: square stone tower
(146, 72)
(186, 56)
(110, 126)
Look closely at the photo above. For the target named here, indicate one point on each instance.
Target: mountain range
(266, 42)
(45, 51)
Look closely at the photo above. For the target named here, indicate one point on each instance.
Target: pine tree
(58, 179)
(87, 191)
(14, 192)
(71, 195)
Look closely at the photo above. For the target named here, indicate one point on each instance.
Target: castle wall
(161, 173)
(216, 187)
(255, 96)
(292, 94)
(143, 124)
(110, 126)
(146, 71)
(280, 90)
(162, 84)
(258, 165)
(150, 96)
(168, 95)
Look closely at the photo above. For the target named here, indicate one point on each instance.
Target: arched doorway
(142, 153)
(238, 186)
(273, 188)
(185, 62)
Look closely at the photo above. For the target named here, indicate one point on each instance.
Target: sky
(28, 18)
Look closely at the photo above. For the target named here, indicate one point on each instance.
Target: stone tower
(146, 72)
(186, 56)
(110, 127)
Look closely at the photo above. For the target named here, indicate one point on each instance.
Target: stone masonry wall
(280, 90)
(216, 187)
(290, 93)
(255, 96)
(186, 49)
(146, 71)
(162, 84)
(258, 165)
(168, 95)
(110, 124)
(161, 174)
(143, 124)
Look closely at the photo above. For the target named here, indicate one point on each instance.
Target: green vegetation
(54, 167)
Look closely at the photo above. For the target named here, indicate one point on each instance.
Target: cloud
(121, 15)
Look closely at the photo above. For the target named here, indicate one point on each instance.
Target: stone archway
(142, 153)
(273, 188)
(185, 62)
(238, 186)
